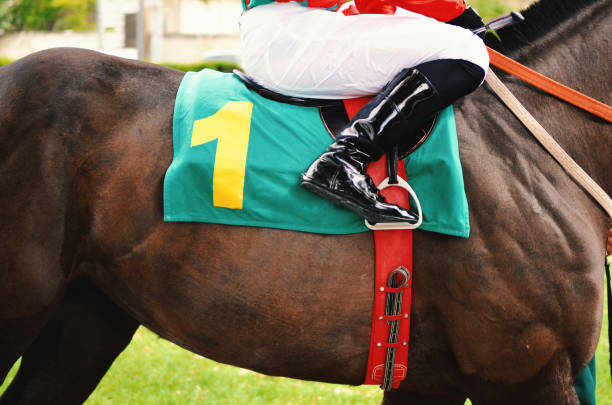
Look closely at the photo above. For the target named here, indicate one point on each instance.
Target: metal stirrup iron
(397, 280)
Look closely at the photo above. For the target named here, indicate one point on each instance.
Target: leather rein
(550, 86)
(563, 92)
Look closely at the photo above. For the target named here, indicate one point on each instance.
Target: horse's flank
(509, 316)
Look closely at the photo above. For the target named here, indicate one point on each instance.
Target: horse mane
(541, 18)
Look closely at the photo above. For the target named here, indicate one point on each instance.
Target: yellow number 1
(231, 126)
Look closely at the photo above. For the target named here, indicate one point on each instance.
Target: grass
(489, 9)
(154, 371)
(604, 385)
(221, 66)
(4, 61)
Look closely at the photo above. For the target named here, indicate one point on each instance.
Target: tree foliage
(47, 15)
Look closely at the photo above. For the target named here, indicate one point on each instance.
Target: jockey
(399, 50)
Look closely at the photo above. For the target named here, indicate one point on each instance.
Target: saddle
(335, 118)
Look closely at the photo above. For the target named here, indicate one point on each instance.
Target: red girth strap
(393, 249)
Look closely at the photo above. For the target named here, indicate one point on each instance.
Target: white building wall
(112, 19)
(191, 28)
(215, 17)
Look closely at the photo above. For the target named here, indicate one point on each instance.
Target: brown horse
(510, 315)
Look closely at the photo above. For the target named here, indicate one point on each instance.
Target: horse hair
(540, 18)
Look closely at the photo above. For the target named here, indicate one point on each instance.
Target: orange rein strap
(550, 86)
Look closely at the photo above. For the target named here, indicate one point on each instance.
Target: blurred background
(174, 32)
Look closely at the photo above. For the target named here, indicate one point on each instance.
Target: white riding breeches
(316, 53)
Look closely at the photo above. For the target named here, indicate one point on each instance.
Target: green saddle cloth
(238, 158)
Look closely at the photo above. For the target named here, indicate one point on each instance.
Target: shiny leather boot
(339, 174)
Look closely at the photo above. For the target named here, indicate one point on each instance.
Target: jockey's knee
(452, 78)
(462, 44)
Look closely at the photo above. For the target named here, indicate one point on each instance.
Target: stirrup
(387, 226)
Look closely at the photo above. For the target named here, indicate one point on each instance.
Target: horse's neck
(577, 54)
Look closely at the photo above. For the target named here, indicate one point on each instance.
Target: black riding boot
(402, 107)
(339, 174)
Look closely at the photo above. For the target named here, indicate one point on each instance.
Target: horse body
(511, 314)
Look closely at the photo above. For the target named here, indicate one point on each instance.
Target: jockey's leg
(317, 53)
(398, 111)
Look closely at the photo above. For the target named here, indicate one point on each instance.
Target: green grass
(221, 66)
(161, 373)
(604, 386)
(5, 61)
(489, 9)
(154, 371)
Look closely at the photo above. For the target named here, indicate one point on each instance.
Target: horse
(510, 315)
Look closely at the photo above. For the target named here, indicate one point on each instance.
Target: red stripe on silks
(393, 249)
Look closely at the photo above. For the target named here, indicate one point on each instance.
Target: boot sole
(351, 205)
